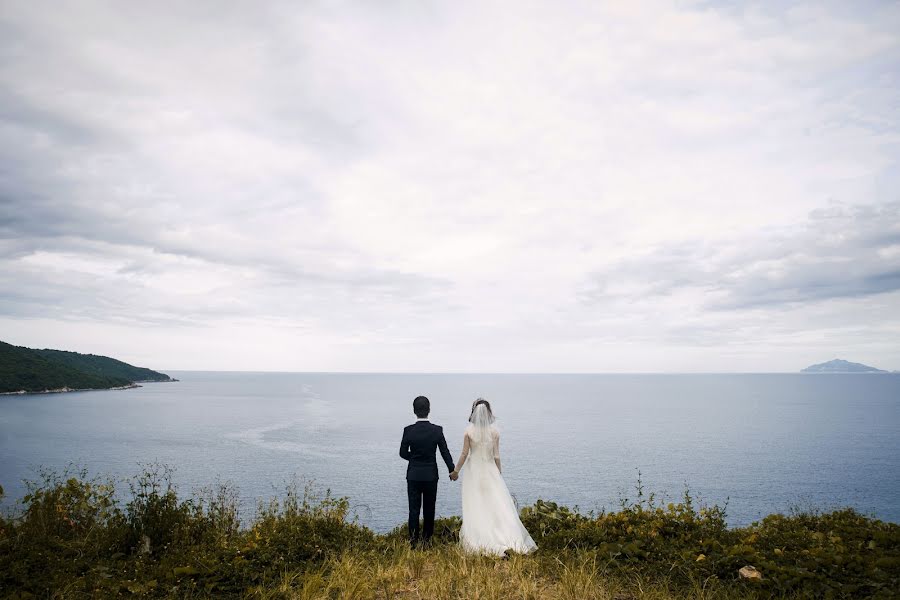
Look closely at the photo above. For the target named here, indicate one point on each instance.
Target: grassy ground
(76, 537)
(447, 573)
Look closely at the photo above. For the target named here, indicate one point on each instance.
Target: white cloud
(440, 186)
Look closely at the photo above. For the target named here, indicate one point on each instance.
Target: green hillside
(24, 369)
(102, 366)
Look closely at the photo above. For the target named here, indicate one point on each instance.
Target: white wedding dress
(490, 521)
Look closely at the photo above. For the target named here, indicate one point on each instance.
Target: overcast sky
(414, 186)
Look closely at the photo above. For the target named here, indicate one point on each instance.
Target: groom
(420, 440)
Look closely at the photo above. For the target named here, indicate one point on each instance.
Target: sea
(754, 443)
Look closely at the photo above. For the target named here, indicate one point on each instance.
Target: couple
(490, 521)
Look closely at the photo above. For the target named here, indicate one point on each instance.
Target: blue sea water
(765, 443)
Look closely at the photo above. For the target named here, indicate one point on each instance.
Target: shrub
(302, 527)
(72, 538)
(154, 510)
(836, 554)
(69, 523)
(68, 506)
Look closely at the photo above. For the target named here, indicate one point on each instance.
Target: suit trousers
(422, 496)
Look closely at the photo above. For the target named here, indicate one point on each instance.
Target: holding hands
(454, 475)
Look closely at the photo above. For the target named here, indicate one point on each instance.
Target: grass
(447, 573)
(75, 538)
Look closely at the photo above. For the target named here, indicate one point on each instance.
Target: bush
(836, 554)
(73, 538)
(300, 528)
(4, 526)
(72, 534)
(154, 516)
(70, 522)
(70, 506)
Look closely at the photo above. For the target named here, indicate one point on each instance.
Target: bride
(490, 521)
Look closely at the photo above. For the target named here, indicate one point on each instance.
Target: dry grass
(448, 573)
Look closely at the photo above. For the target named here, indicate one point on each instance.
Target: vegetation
(103, 366)
(73, 538)
(24, 369)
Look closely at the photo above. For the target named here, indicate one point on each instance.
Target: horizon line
(882, 372)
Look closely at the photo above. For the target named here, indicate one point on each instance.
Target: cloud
(839, 252)
(441, 187)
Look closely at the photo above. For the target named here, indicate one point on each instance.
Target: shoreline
(67, 389)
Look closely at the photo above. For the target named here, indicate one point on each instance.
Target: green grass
(74, 538)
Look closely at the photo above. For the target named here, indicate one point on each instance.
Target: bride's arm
(463, 455)
(497, 450)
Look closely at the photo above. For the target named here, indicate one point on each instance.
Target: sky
(452, 186)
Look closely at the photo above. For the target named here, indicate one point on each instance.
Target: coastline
(64, 390)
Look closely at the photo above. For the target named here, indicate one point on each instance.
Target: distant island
(841, 366)
(27, 370)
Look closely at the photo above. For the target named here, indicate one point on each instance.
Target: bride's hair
(487, 406)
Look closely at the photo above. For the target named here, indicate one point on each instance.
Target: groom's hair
(421, 406)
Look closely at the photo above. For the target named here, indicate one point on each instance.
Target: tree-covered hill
(103, 366)
(24, 369)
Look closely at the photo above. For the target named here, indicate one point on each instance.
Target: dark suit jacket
(420, 440)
